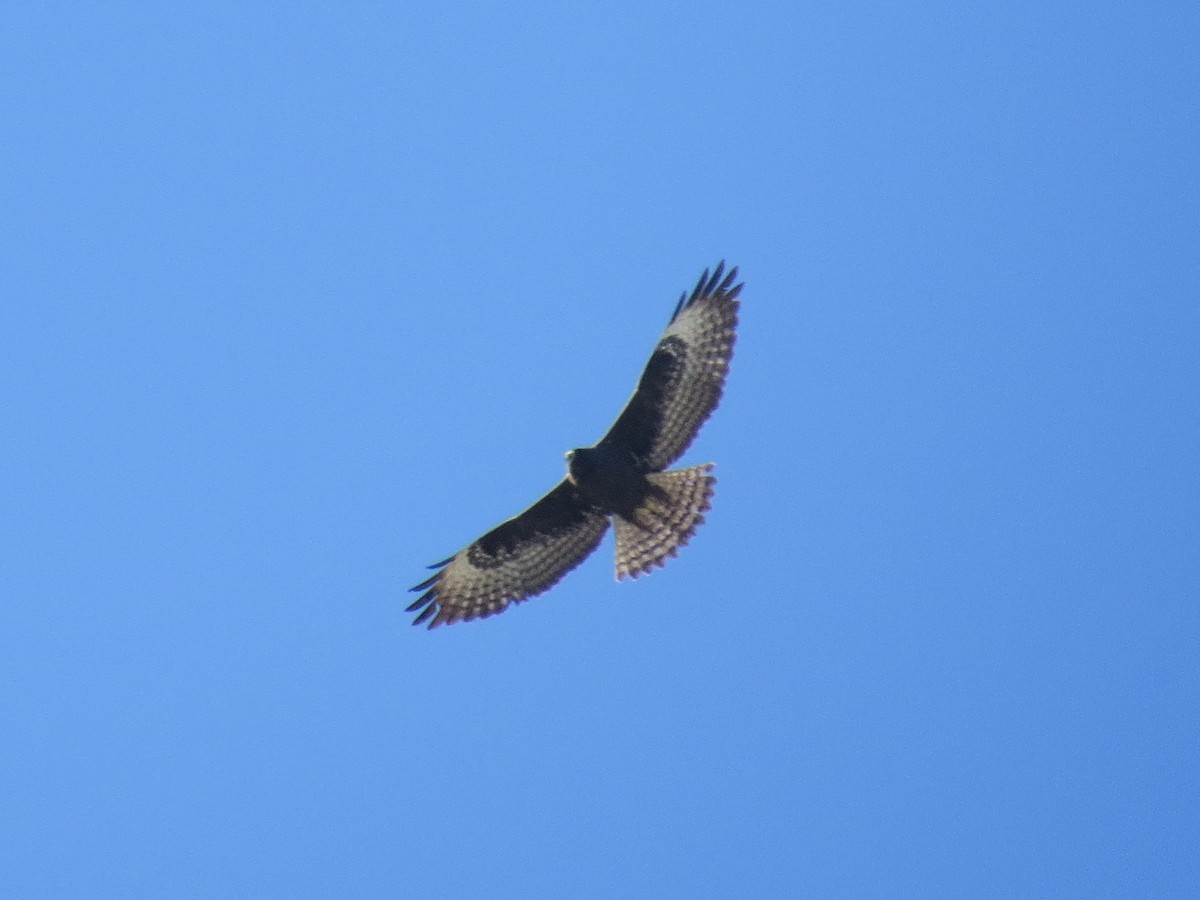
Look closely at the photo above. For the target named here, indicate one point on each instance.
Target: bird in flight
(623, 479)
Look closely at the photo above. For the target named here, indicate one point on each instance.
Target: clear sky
(295, 300)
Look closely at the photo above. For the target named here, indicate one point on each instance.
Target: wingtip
(726, 285)
(711, 282)
(679, 306)
(425, 598)
(430, 610)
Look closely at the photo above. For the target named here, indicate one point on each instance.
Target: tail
(665, 521)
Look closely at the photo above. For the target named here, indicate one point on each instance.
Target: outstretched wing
(514, 561)
(682, 383)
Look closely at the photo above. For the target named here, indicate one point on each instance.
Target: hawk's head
(589, 464)
(572, 465)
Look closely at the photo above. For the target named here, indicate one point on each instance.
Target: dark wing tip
(429, 599)
(429, 610)
(678, 306)
(432, 608)
(427, 583)
(433, 578)
(719, 284)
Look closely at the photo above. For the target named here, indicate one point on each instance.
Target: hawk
(623, 479)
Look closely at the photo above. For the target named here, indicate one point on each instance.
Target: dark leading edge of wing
(683, 381)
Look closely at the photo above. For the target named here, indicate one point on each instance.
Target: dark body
(610, 479)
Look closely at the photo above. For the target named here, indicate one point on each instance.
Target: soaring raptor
(623, 479)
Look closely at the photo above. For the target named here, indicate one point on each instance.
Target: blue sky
(298, 300)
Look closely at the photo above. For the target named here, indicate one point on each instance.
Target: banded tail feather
(666, 521)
